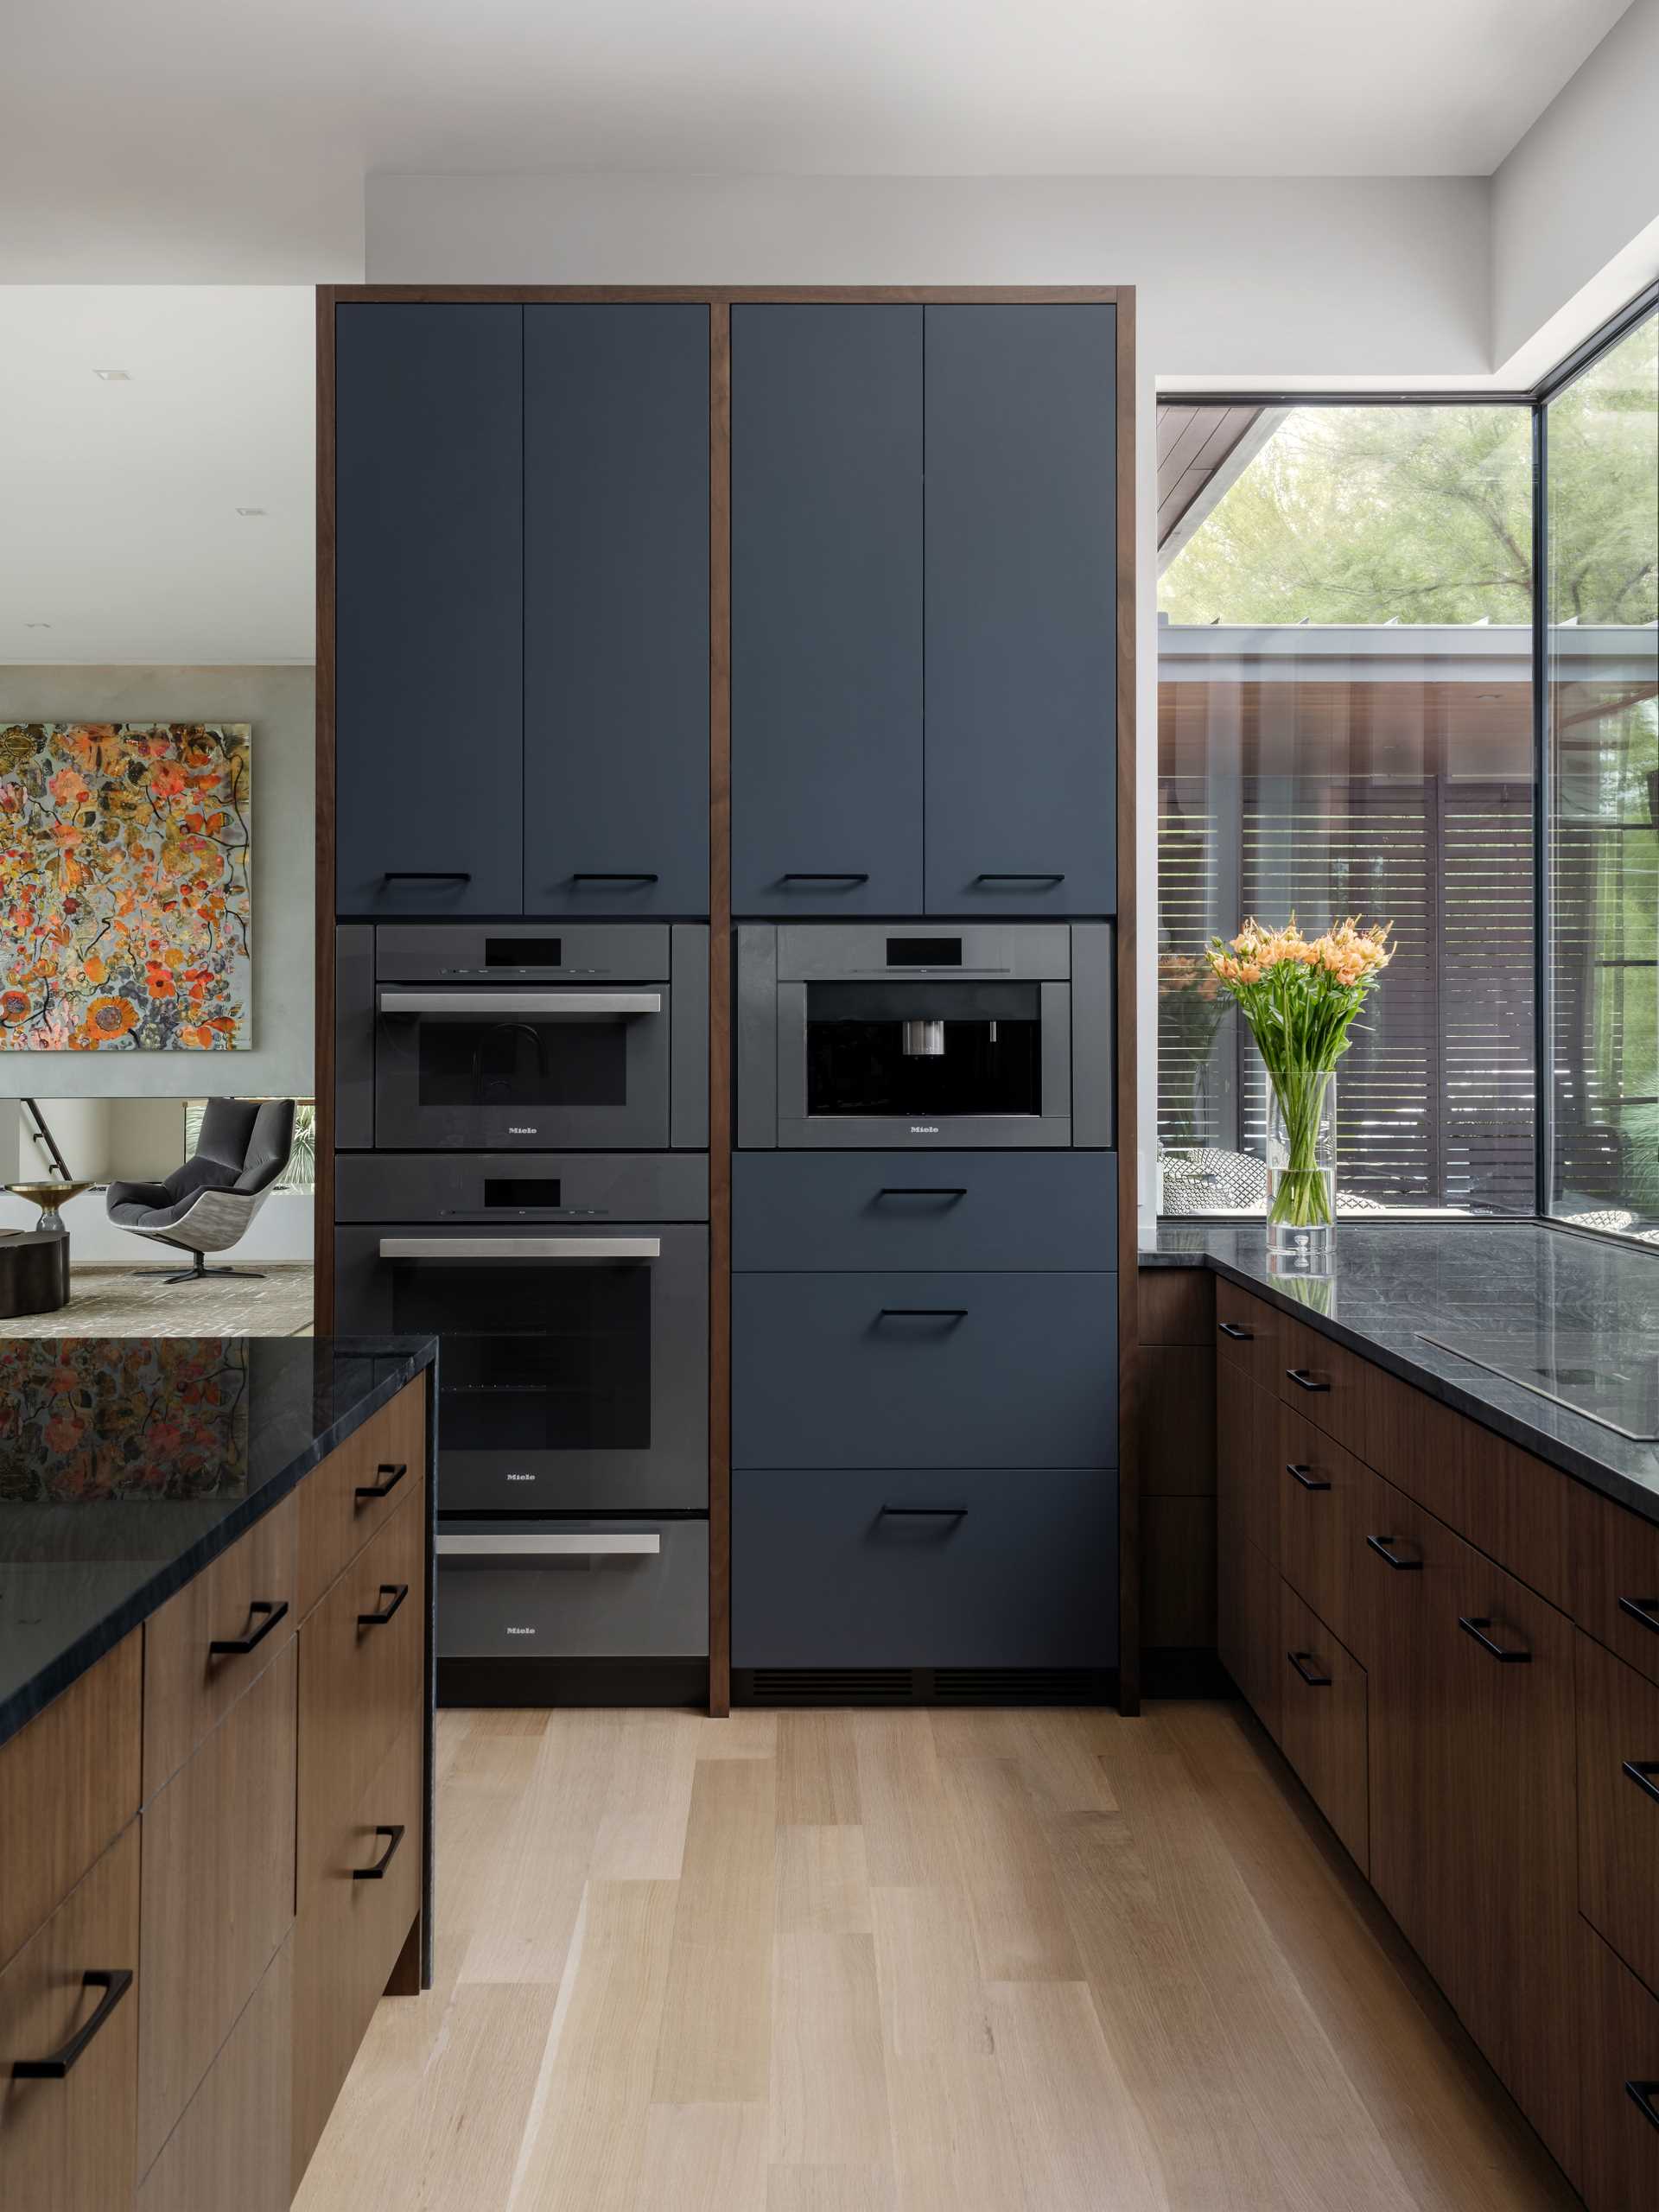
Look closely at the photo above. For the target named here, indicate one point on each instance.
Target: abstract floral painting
(125, 910)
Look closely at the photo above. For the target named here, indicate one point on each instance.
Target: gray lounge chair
(206, 1205)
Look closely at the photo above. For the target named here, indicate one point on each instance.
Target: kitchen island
(215, 1751)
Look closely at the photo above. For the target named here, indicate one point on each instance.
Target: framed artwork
(125, 908)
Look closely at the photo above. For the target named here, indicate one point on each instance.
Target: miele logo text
(923, 1128)
(521, 1479)
(513, 1130)
(520, 1631)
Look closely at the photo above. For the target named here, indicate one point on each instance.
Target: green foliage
(1424, 514)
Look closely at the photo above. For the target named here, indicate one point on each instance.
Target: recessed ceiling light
(113, 376)
(253, 511)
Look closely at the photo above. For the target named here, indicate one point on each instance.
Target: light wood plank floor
(908, 1962)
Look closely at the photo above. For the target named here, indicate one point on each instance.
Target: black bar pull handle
(393, 1476)
(923, 1313)
(825, 875)
(926, 1512)
(1239, 1335)
(615, 875)
(1307, 1481)
(115, 1982)
(1642, 2095)
(1382, 1546)
(233, 1647)
(1309, 1674)
(427, 875)
(1642, 1772)
(1024, 875)
(1645, 1610)
(1305, 1381)
(376, 1873)
(1476, 1626)
(922, 1190)
(399, 1590)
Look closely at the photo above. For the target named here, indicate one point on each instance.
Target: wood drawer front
(1619, 1808)
(1324, 1492)
(335, 1523)
(1246, 1630)
(1177, 1305)
(189, 1687)
(1618, 2168)
(1615, 1576)
(230, 2151)
(348, 1937)
(1248, 1507)
(1246, 1331)
(69, 1782)
(1323, 1381)
(1323, 1731)
(359, 1677)
(217, 1894)
(69, 2145)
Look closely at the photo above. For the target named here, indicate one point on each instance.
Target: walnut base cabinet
(1446, 1637)
(214, 1854)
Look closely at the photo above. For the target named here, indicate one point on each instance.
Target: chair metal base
(199, 1272)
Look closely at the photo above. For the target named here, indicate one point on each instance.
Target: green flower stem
(1302, 1188)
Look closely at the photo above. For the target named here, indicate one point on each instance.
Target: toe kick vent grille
(781, 1685)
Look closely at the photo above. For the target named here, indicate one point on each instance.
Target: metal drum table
(33, 1272)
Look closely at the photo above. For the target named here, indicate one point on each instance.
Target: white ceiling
(240, 135)
(120, 528)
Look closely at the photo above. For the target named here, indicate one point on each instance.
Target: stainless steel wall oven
(571, 1294)
(866, 1035)
(511, 1037)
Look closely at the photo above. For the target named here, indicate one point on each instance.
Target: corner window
(1346, 727)
(1602, 659)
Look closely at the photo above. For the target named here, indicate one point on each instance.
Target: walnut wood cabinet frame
(719, 300)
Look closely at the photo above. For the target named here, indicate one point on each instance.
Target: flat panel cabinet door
(616, 610)
(1022, 609)
(826, 610)
(430, 609)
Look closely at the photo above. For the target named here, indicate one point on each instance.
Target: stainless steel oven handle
(604, 1544)
(573, 1006)
(521, 1248)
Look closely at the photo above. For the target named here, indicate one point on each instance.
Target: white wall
(1575, 205)
(1240, 278)
(279, 702)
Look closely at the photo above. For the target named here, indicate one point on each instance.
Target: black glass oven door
(572, 1368)
(496, 1070)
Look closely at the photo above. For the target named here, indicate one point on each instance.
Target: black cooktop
(1609, 1378)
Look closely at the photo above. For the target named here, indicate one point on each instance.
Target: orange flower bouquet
(1300, 996)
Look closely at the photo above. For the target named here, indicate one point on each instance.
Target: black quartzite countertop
(1395, 1283)
(128, 1464)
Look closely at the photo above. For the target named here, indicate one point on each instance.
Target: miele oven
(570, 1293)
(511, 1037)
(886, 1035)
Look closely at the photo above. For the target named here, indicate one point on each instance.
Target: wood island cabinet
(190, 1951)
(1450, 1640)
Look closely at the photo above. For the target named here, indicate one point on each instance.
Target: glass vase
(1301, 1170)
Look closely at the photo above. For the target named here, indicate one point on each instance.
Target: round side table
(34, 1271)
(48, 1196)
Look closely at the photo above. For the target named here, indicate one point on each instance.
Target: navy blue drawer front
(947, 1568)
(925, 1371)
(958, 1210)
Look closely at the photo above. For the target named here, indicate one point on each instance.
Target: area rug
(119, 1302)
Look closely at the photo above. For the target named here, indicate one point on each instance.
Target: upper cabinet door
(616, 610)
(429, 609)
(826, 610)
(1022, 609)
